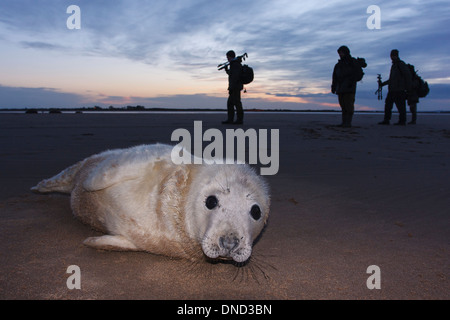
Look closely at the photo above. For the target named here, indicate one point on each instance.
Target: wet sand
(343, 200)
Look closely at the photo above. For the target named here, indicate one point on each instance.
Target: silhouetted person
(399, 84)
(344, 85)
(235, 86)
(413, 95)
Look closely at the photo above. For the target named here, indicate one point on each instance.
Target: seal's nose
(229, 243)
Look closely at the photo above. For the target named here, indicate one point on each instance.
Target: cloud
(291, 44)
(20, 97)
(439, 91)
(41, 45)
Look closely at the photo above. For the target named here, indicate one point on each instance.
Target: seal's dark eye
(255, 212)
(211, 202)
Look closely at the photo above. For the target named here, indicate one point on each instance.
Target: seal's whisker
(261, 270)
(220, 185)
(263, 262)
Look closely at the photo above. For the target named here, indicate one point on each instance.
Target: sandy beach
(343, 200)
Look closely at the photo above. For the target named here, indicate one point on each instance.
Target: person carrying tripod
(399, 84)
(235, 85)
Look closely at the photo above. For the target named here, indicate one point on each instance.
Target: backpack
(247, 74)
(423, 88)
(359, 64)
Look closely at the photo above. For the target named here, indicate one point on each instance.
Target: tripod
(380, 88)
(226, 64)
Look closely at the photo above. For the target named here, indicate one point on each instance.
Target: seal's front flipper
(108, 242)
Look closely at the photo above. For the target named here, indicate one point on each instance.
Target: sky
(160, 53)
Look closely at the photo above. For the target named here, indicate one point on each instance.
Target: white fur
(143, 201)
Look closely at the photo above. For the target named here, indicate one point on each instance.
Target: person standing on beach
(399, 85)
(235, 85)
(344, 85)
(413, 95)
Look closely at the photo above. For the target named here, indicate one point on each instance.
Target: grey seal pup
(142, 201)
